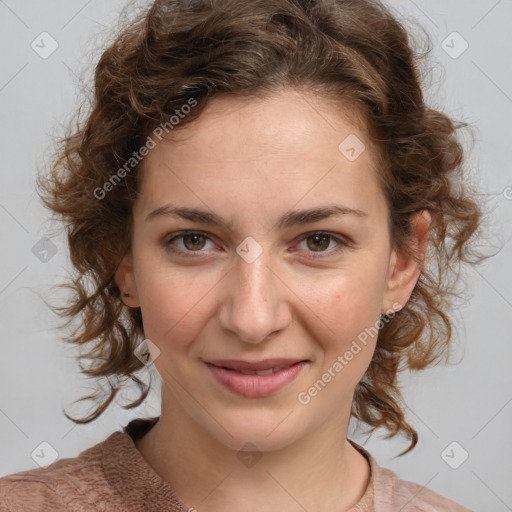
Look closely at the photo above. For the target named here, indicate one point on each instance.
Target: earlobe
(405, 269)
(125, 280)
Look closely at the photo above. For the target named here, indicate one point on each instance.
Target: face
(263, 283)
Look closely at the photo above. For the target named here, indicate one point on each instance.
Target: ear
(125, 281)
(404, 269)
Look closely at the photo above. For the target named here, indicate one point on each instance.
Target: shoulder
(28, 495)
(412, 496)
(390, 493)
(70, 484)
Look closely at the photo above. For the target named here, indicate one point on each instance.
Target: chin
(265, 435)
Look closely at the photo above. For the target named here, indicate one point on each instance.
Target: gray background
(468, 403)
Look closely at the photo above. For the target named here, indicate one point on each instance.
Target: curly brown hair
(174, 52)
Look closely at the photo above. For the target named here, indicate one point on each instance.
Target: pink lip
(255, 385)
(240, 364)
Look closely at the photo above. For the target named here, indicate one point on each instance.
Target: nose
(255, 305)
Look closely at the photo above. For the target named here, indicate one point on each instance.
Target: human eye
(322, 240)
(192, 241)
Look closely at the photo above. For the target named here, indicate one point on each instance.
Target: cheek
(346, 302)
(344, 314)
(173, 305)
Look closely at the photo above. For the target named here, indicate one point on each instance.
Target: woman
(261, 200)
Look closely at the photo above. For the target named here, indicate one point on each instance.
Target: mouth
(263, 367)
(256, 378)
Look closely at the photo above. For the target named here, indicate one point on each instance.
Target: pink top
(113, 476)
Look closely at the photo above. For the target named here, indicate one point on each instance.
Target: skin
(251, 161)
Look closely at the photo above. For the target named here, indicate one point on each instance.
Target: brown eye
(317, 244)
(191, 242)
(320, 242)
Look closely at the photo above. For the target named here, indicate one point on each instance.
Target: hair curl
(355, 52)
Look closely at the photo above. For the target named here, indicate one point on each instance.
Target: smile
(253, 380)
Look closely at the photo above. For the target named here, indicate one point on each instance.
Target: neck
(320, 471)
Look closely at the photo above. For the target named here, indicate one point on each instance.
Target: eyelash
(316, 255)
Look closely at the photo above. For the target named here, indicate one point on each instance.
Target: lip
(253, 386)
(239, 364)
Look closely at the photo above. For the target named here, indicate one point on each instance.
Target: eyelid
(343, 242)
(181, 234)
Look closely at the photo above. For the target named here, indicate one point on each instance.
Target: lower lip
(255, 385)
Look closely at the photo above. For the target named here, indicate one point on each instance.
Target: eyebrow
(293, 218)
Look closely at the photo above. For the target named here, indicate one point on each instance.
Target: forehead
(284, 147)
(277, 124)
